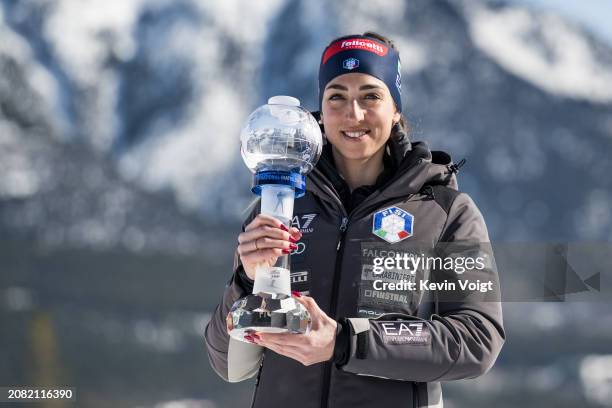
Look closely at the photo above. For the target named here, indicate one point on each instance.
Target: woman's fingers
(264, 240)
(267, 220)
(282, 350)
(262, 243)
(296, 233)
(263, 219)
(265, 231)
(293, 340)
(229, 323)
(288, 344)
(260, 234)
(310, 305)
(296, 346)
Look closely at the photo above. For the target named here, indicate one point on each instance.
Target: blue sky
(595, 15)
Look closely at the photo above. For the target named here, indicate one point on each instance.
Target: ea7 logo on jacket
(393, 224)
(416, 333)
(303, 222)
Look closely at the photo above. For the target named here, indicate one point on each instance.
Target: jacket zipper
(332, 310)
(336, 283)
(342, 231)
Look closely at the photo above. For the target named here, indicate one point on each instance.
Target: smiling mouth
(355, 134)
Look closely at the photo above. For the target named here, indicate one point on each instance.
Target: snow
(19, 177)
(38, 79)
(596, 378)
(189, 157)
(592, 14)
(412, 54)
(202, 149)
(560, 60)
(382, 16)
(229, 17)
(374, 15)
(222, 50)
(83, 36)
(74, 28)
(183, 157)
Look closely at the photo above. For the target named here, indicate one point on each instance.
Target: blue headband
(357, 53)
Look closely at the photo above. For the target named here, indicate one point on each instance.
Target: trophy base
(257, 313)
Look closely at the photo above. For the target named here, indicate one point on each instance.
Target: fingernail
(249, 339)
(283, 227)
(286, 251)
(256, 337)
(293, 239)
(296, 293)
(292, 246)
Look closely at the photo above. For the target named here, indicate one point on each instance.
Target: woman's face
(358, 113)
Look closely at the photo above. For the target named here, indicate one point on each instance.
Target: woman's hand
(263, 241)
(313, 347)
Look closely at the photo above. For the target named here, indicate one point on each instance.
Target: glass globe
(281, 136)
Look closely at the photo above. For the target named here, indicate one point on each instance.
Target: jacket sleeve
(232, 360)
(464, 335)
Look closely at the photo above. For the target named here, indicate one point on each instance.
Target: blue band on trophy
(286, 178)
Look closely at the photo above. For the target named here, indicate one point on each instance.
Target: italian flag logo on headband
(355, 44)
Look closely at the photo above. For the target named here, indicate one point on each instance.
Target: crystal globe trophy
(280, 143)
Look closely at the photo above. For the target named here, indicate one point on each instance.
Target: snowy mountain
(108, 108)
(119, 125)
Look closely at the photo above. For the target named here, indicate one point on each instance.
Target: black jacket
(402, 343)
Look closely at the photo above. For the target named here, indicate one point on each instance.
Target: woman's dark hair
(402, 128)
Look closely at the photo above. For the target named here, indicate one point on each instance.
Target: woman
(373, 195)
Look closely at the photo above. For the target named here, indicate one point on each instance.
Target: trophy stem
(274, 281)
